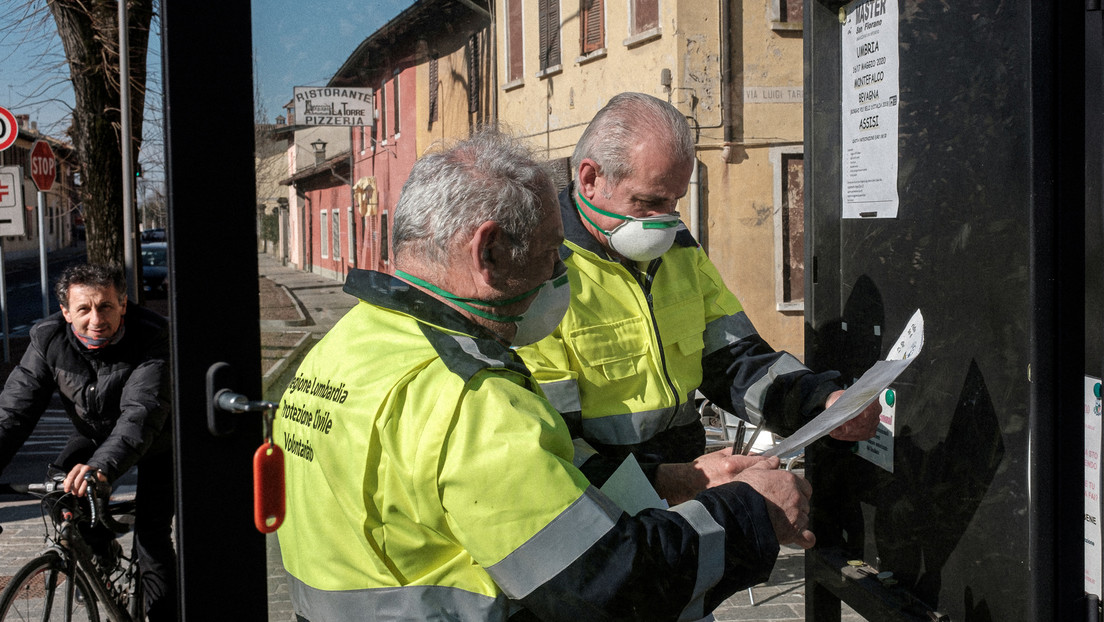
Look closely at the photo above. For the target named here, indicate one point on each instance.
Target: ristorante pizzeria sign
(325, 105)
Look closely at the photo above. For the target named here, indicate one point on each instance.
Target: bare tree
(89, 31)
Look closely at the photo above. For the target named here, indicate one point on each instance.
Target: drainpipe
(726, 69)
(694, 194)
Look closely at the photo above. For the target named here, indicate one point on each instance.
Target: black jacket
(118, 396)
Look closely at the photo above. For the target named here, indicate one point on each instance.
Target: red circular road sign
(43, 165)
(9, 129)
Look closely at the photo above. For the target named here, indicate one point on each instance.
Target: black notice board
(997, 242)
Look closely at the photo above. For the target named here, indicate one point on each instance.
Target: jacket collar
(389, 292)
(574, 229)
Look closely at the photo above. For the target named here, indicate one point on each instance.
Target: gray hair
(488, 177)
(626, 120)
(91, 275)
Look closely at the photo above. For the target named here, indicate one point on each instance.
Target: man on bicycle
(113, 379)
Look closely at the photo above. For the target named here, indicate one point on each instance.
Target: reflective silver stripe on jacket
(563, 395)
(711, 549)
(757, 392)
(726, 330)
(583, 452)
(413, 602)
(557, 545)
(633, 428)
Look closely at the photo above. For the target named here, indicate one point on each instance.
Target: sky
(304, 43)
(296, 44)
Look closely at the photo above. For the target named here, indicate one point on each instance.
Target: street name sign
(43, 165)
(9, 129)
(11, 201)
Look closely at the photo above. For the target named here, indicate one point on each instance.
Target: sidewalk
(297, 308)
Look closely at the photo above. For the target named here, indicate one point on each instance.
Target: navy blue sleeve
(647, 566)
(792, 395)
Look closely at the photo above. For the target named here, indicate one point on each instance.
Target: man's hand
(678, 482)
(862, 427)
(787, 496)
(75, 483)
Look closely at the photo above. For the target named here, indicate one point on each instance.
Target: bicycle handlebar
(99, 493)
(32, 489)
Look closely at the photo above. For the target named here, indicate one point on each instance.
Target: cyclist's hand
(75, 482)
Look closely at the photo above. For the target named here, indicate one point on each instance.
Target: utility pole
(130, 246)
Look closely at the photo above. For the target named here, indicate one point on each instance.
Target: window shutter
(513, 49)
(645, 15)
(473, 73)
(549, 12)
(434, 87)
(593, 25)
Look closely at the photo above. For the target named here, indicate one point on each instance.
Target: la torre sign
(326, 105)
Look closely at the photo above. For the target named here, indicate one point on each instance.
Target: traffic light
(138, 170)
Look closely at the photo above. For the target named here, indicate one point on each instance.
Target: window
(473, 73)
(324, 234)
(645, 16)
(336, 230)
(789, 227)
(383, 113)
(514, 64)
(383, 238)
(592, 26)
(351, 234)
(396, 110)
(549, 18)
(787, 14)
(434, 88)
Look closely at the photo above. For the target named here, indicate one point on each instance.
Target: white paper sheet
(629, 488)
(861, 394)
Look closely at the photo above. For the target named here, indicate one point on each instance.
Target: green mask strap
(463, 302)
(645, 223)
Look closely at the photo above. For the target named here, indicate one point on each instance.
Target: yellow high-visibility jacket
(427, 478)
(639, 339)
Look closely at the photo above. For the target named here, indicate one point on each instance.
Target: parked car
(155, 269)
(154, 235)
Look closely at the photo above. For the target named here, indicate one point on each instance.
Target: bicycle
(64, 581)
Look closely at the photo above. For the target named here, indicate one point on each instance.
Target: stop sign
(43, 165)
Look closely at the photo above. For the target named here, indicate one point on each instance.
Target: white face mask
(548, 308)
(537, 322)
(638, 239)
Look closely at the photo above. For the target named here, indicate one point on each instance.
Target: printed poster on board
(871, 86)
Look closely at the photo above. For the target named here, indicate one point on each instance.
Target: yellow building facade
(733, 67)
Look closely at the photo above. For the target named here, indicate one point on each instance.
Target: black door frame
(207, 60)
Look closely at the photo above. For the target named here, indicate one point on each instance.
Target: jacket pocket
(614, 350)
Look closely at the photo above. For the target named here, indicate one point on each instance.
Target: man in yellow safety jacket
(427, 478)
(651, 321)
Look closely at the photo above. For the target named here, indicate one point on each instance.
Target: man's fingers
(804, 487)
(806, 539)
(74, 480)
(766, 463)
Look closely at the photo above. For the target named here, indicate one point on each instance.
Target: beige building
(734, 68)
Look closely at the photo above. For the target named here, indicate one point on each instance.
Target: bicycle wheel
(44, 591)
